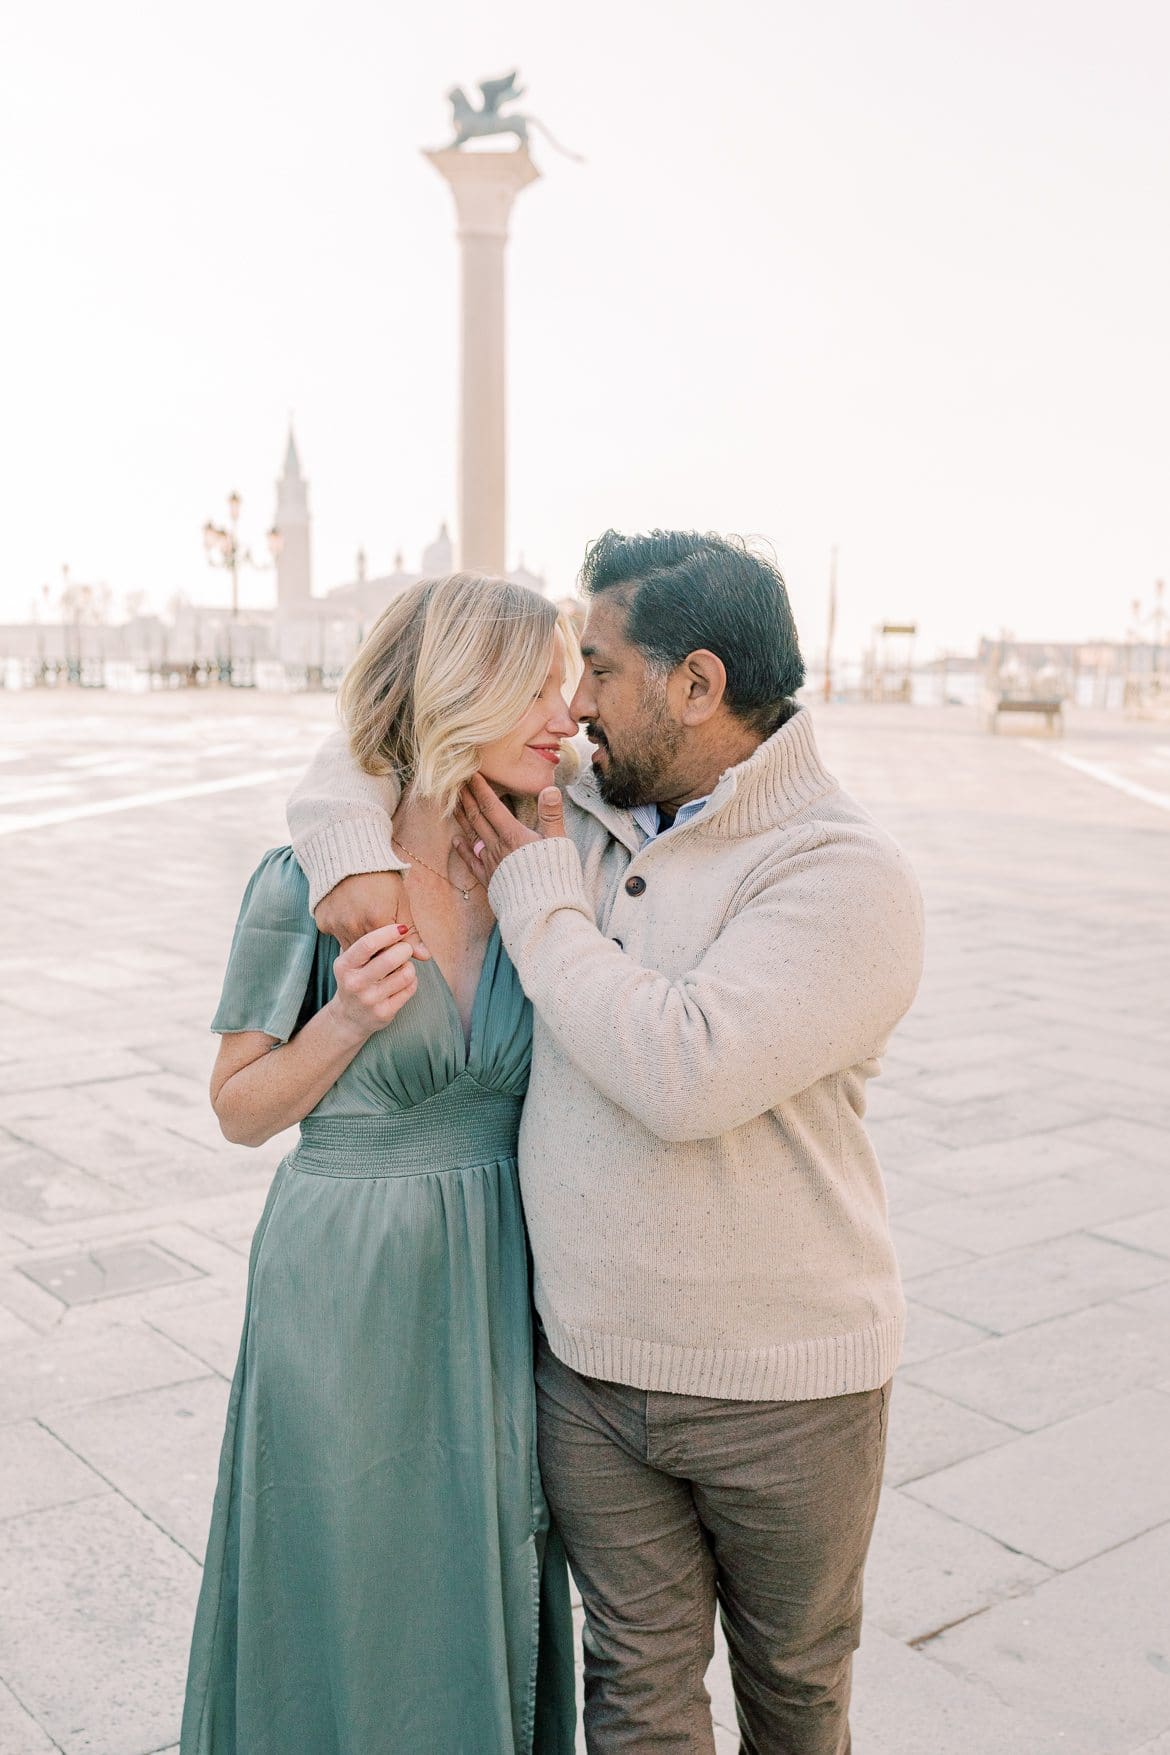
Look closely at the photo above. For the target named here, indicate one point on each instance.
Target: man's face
(623, 704)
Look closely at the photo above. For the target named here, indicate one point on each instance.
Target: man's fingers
(488, 803)
(357, 904)
(550, 812)
(471, 859)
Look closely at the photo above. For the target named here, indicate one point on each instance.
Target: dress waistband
(458, 1129)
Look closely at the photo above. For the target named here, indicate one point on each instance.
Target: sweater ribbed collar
(779, 779)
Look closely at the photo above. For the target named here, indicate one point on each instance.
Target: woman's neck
(419, 825)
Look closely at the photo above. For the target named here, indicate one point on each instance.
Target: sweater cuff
(538, 877)
(341, 850)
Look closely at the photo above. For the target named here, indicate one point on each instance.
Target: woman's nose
(562, 721)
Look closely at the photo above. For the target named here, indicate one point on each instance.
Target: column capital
(484, 185)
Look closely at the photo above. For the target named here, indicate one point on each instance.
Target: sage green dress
(381, 1578)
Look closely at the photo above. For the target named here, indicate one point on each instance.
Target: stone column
(484, 185)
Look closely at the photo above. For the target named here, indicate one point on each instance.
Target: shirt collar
(649, 820)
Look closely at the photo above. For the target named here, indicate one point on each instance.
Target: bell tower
(293, 568)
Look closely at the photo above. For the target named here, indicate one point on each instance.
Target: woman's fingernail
(403, 929)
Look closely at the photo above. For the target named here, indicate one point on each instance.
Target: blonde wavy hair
(450, 666)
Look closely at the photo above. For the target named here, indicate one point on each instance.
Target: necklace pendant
(466, 894)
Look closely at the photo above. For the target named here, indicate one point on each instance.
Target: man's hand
(488, 831)
(361, 904)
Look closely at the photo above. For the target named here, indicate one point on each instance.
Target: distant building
(361, 598)
(294, 573)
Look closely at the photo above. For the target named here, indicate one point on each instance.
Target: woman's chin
(523, 781)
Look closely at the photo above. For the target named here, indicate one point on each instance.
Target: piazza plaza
(1016, 1595)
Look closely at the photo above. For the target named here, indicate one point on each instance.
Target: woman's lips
(550, 752)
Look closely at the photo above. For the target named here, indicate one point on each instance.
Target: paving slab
(989, 1120)
(45, 1072)
(994, 1078)
(905, 1191)
(903, 1704)
(1148, 1231)
(927, 1569)
(930, 1333)
(40, 1186)
(20, 1734)
(927, 1432)
(168, 1470)
(1071, 1491)
(1053, 1370)
(900, 1150)
(64, 1370)
(210, 1331)
(1006, 1164)
(178, 1105)
(987, 1224)
(37, 1470)
(1025, 1286)
(1125, 1140)
(96, 1609)
(107, 1271)
(919, 1255)
(1088, 1651)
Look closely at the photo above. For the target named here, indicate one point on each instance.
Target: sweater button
(635, 886)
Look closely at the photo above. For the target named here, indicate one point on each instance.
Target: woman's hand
(375, 978)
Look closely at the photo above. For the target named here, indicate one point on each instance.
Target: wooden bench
(1051, 706)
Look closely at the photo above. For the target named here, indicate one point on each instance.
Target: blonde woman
(380, 1572)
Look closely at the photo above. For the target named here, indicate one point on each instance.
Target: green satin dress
(381, 1578)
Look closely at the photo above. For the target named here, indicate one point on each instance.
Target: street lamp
(223, 549)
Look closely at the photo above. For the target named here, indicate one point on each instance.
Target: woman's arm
(260, 1086)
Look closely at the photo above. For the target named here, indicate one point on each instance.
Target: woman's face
(525, 759)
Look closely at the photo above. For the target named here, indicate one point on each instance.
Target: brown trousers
(669, 1504)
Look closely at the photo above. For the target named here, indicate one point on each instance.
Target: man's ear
(701, 681)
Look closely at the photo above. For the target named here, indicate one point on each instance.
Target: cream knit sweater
(706, 1211)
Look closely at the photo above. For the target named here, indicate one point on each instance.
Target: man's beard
(630, 780)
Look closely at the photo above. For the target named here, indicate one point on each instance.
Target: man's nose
(582, 706)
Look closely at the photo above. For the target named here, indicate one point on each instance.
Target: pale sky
(895, 277)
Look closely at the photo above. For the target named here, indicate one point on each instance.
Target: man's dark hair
(686, 590)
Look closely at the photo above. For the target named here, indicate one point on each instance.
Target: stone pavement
(1017, 1596)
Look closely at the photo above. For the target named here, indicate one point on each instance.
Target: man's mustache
(596, 736)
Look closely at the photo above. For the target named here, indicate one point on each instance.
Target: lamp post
(223, 548)
(1156, 620)
(832, 628)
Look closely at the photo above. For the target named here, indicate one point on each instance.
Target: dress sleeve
(274, 950)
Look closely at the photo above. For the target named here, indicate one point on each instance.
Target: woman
(380, 1572)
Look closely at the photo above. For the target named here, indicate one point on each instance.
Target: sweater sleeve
(806, 979)
(339, 819)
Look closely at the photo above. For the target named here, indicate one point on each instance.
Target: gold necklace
(415, 860)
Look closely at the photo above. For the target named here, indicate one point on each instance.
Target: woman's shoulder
(274, 950)
(277, 892)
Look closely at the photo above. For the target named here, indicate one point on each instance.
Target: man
(717, 951)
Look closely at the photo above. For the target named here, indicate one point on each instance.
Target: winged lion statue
(471, 123)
